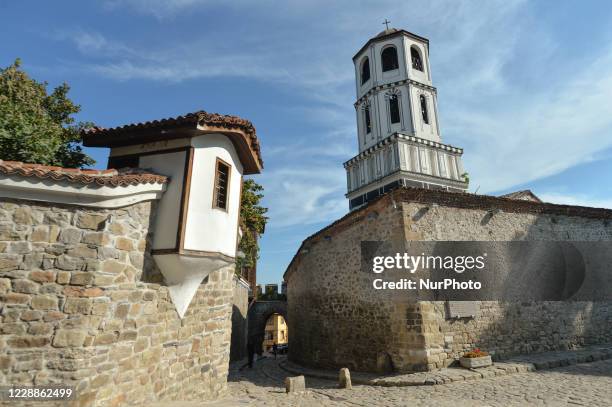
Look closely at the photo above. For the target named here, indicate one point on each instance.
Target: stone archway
(259, 312)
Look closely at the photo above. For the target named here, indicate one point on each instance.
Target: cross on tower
(386, 23)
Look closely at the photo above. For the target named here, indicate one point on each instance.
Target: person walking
(275, 350)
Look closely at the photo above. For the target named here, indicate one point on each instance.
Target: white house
(204, 156)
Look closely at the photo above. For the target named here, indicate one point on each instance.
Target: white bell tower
(397, 121)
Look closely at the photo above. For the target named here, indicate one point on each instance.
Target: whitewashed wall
(208, 228)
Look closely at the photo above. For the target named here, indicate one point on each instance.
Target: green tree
(253, 219)
(36, 126)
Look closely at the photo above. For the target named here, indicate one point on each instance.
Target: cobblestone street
(584, 384)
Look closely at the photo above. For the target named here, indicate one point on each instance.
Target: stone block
(6, 362)
(472, 363)
(68, 338)
(92, 264)
(40, 234)
(23, 215)
(122, 310)
(92, 221)
(68, 263)
(53, 316)
(7, 232)
(105, 253)
(149, 296)
(40, 328)
(30, 315)
(125, 244)
(77, 305)
(105, 338)
(128, 335)
(96, 238)
(42, 276)
(44, 302)
(117, 228)
(9, 262)
(100, 308)
(344, 379)
(70, 235)
(100, 381)
(72, 291)
(83, 252)
(19, 247)
(141, 344)
(5, 285)
(113, 266)
(102, 280)
(54, 232)
(82, 279)
(32, 261)
(25, 286)
(13, 328)
(295, 384)
(28, 341)
(137, 259)
(63, 277)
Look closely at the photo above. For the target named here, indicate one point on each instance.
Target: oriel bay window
(222, 178)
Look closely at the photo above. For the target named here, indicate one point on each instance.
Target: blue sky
(524, 87)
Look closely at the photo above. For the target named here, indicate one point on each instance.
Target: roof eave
(250, 160)
(387, 36)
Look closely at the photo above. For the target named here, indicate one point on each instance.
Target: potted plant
(475, 358)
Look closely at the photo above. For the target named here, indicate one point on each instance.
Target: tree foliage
(36, 126)
(253, 218)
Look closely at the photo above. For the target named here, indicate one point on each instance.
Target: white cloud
(300, 196)
(509, 93)
(579, 200)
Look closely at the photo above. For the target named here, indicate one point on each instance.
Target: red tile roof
(120, 135)
(111, 178)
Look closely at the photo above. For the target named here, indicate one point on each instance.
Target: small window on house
(365, 71)
(424, 112)
(389, 59)
(417, 62)
(221, 191)
(368, 121)
(394, 110)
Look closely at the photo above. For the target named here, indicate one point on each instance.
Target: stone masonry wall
(339, 320)
(240, 309)
(506, 328)
(81, 304)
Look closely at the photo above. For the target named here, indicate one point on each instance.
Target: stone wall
(240, 309)
(339, 320)
(82, 304)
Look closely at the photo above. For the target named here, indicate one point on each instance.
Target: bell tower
(398, 130)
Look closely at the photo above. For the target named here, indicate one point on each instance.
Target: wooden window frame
(229, 179)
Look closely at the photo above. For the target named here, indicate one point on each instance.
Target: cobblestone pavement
(583, 384)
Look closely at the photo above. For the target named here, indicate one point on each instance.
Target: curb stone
(518, 364)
